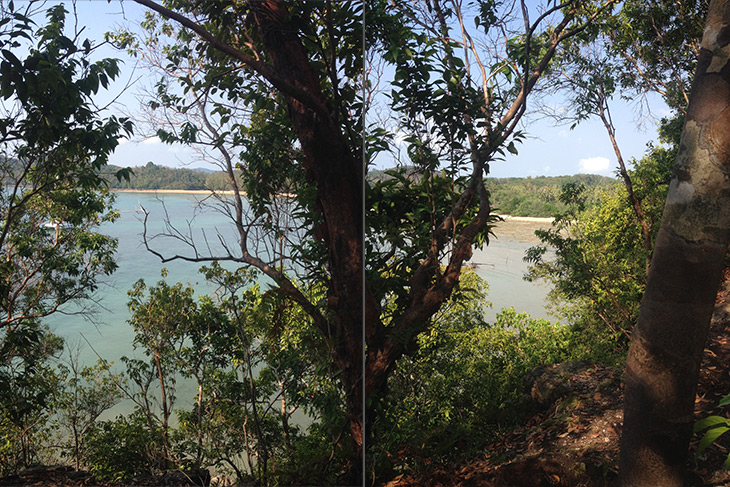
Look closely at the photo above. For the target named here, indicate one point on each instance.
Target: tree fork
(664, 358)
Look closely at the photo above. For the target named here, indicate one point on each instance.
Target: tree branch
(258, 66)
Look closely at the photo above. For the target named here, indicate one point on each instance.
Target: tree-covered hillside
(538, 196)
(152, 176)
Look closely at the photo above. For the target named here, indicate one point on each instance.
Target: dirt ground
(575, 441)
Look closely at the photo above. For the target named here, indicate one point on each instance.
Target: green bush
(597, 259)
(464, 382)
(118, 450)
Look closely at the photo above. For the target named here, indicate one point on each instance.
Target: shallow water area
(106, 332)
(502, 264)
(109, 335)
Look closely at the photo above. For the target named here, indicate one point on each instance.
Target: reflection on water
(501, 264)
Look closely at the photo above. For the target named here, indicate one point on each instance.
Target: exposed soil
(574, 442)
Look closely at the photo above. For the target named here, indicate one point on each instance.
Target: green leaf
(710, 422)
(710, 437)
(724, 401)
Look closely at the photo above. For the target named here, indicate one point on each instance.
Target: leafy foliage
(119, 450)
(29, 385)
(598, 266)
(53, 146)
(714, 427)
(538, 196)
(257, 363)
(86, 393)
(465, 382)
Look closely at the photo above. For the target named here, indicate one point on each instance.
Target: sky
(548, 150)
(98, 17)
(551, 150)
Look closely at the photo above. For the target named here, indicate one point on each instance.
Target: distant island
(155, 177)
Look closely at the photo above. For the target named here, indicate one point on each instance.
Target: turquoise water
(107, 331)
(109, 335)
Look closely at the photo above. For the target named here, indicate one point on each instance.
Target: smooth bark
(667, 343)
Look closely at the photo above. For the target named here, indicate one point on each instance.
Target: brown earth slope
(574, 440)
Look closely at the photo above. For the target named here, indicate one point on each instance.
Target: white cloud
(594, 164)
(122, 140)
(152, 140)
(563, 133)
(546, 169)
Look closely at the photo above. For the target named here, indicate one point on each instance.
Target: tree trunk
(605, 114)
(337, 174)
(666, 345)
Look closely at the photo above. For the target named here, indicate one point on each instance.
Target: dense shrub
(118, 450)
(465, 381)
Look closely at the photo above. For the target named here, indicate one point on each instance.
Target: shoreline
(172, 191)
(532, 219)
(190, 191)
(506, 218)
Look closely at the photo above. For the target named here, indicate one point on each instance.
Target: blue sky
(549, 150)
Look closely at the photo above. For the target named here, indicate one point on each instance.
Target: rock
(547, 384)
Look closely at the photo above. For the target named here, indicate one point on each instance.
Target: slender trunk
(664, 358)
(285, 418)
(165, 413)
(77, 446)
(605, 116)
(199, 453)
(262, 449)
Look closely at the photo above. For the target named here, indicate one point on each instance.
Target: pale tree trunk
(666, 345)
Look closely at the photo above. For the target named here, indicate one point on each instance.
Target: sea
(107, 333)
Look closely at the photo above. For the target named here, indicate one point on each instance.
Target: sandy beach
(535, 219)
(171, 191)
(521, 228)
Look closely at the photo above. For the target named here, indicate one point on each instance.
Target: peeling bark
(664, 358)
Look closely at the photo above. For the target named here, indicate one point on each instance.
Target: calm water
(110, 336)
(501, 264)
(109, 333)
